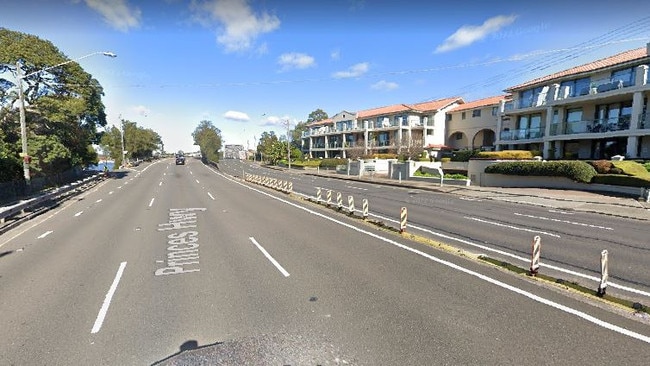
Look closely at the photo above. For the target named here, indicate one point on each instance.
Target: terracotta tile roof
(623, 57)
(396, 108)
(320, 123)
(435, 105)
(480, 103)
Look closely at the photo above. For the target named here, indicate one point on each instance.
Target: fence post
(604, 273)
(365, 208)
(403, 219)
(534, 261)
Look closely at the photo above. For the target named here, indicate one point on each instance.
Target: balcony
(597, 126)
(522, 134)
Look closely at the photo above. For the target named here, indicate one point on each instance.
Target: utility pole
(288, 144)
(23, 125)
(122, 132)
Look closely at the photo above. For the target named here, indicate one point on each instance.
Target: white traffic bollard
(351, 205)
(365, 208)
(339, 201)
(318, 194)
(329, 197)
(403, 219)
(604, 273)
(534, 261)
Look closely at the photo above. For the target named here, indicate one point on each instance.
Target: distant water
(100, 167)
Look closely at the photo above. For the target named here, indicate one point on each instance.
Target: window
(576, 87)
(574, 115)
(462, 116)
(448, 117)
(458, 135)
(476, 113)
(495, 110)
(626, 76)
(528, 98)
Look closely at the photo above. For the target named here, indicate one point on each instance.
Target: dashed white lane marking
(45, 234)
(483, 277)
(78, 214)
(197, 181)
(111, 192)
(564, 221)
(511, 226)
(561, 212)
(151, 202)
(211, 196)
(107, 300)
(159, 184)
(268, 256)
(98, 201)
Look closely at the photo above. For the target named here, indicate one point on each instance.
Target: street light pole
(21, 105)
(288, 145)
(122, 134)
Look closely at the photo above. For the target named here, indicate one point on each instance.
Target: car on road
(180, 159)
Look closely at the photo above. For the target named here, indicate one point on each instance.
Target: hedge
(579, 171)
(621, 180)
(508, 154)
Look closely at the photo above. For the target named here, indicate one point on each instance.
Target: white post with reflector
(534, 261)
(604, 273)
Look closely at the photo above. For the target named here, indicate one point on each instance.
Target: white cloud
(468, 34)
(141, 110)
(353, 71)
(117, 13)
(271, 121)
(240, 26)
(335, 55)
(384, 85)
(295, 61)
(236, 116)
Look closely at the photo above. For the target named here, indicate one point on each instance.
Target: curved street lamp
(23, 127)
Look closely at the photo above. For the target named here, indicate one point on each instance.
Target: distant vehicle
(180, 158)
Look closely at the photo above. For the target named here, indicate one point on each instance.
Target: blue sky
(249, 66)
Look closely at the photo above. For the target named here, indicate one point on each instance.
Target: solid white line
(511, 226)
(107, 300)
(531, 296)
(563, 221)
(523, 259)
(211, 196)
(78, 213)
(151, 202)
(45, 234)
(268, 256)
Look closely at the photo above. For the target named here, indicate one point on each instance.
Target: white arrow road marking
(107, 300)
(45, 234)
(268, 256)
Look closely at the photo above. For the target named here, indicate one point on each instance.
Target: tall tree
(317, 115)
(296, 134)
(208, 137)
(64, 106)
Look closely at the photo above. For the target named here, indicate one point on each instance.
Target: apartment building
(592, 111)
(473, 125)
(389, 129)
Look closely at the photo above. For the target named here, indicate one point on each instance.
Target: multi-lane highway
(173, 257)
(572, 241)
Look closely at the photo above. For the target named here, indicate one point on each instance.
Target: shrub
(621, 180)
(602, 166)
(631, 168)
(575, 170)
(306, 163)
(647, 166)
(507, 154)
(464, 155)
(445, 160)
(331, 163)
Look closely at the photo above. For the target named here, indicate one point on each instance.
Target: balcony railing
(597, 126)
(522, 134)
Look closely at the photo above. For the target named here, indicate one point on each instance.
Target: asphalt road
(571, 241)
(171, 258)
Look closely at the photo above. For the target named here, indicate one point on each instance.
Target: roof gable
(489, 101)
(436, 105)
